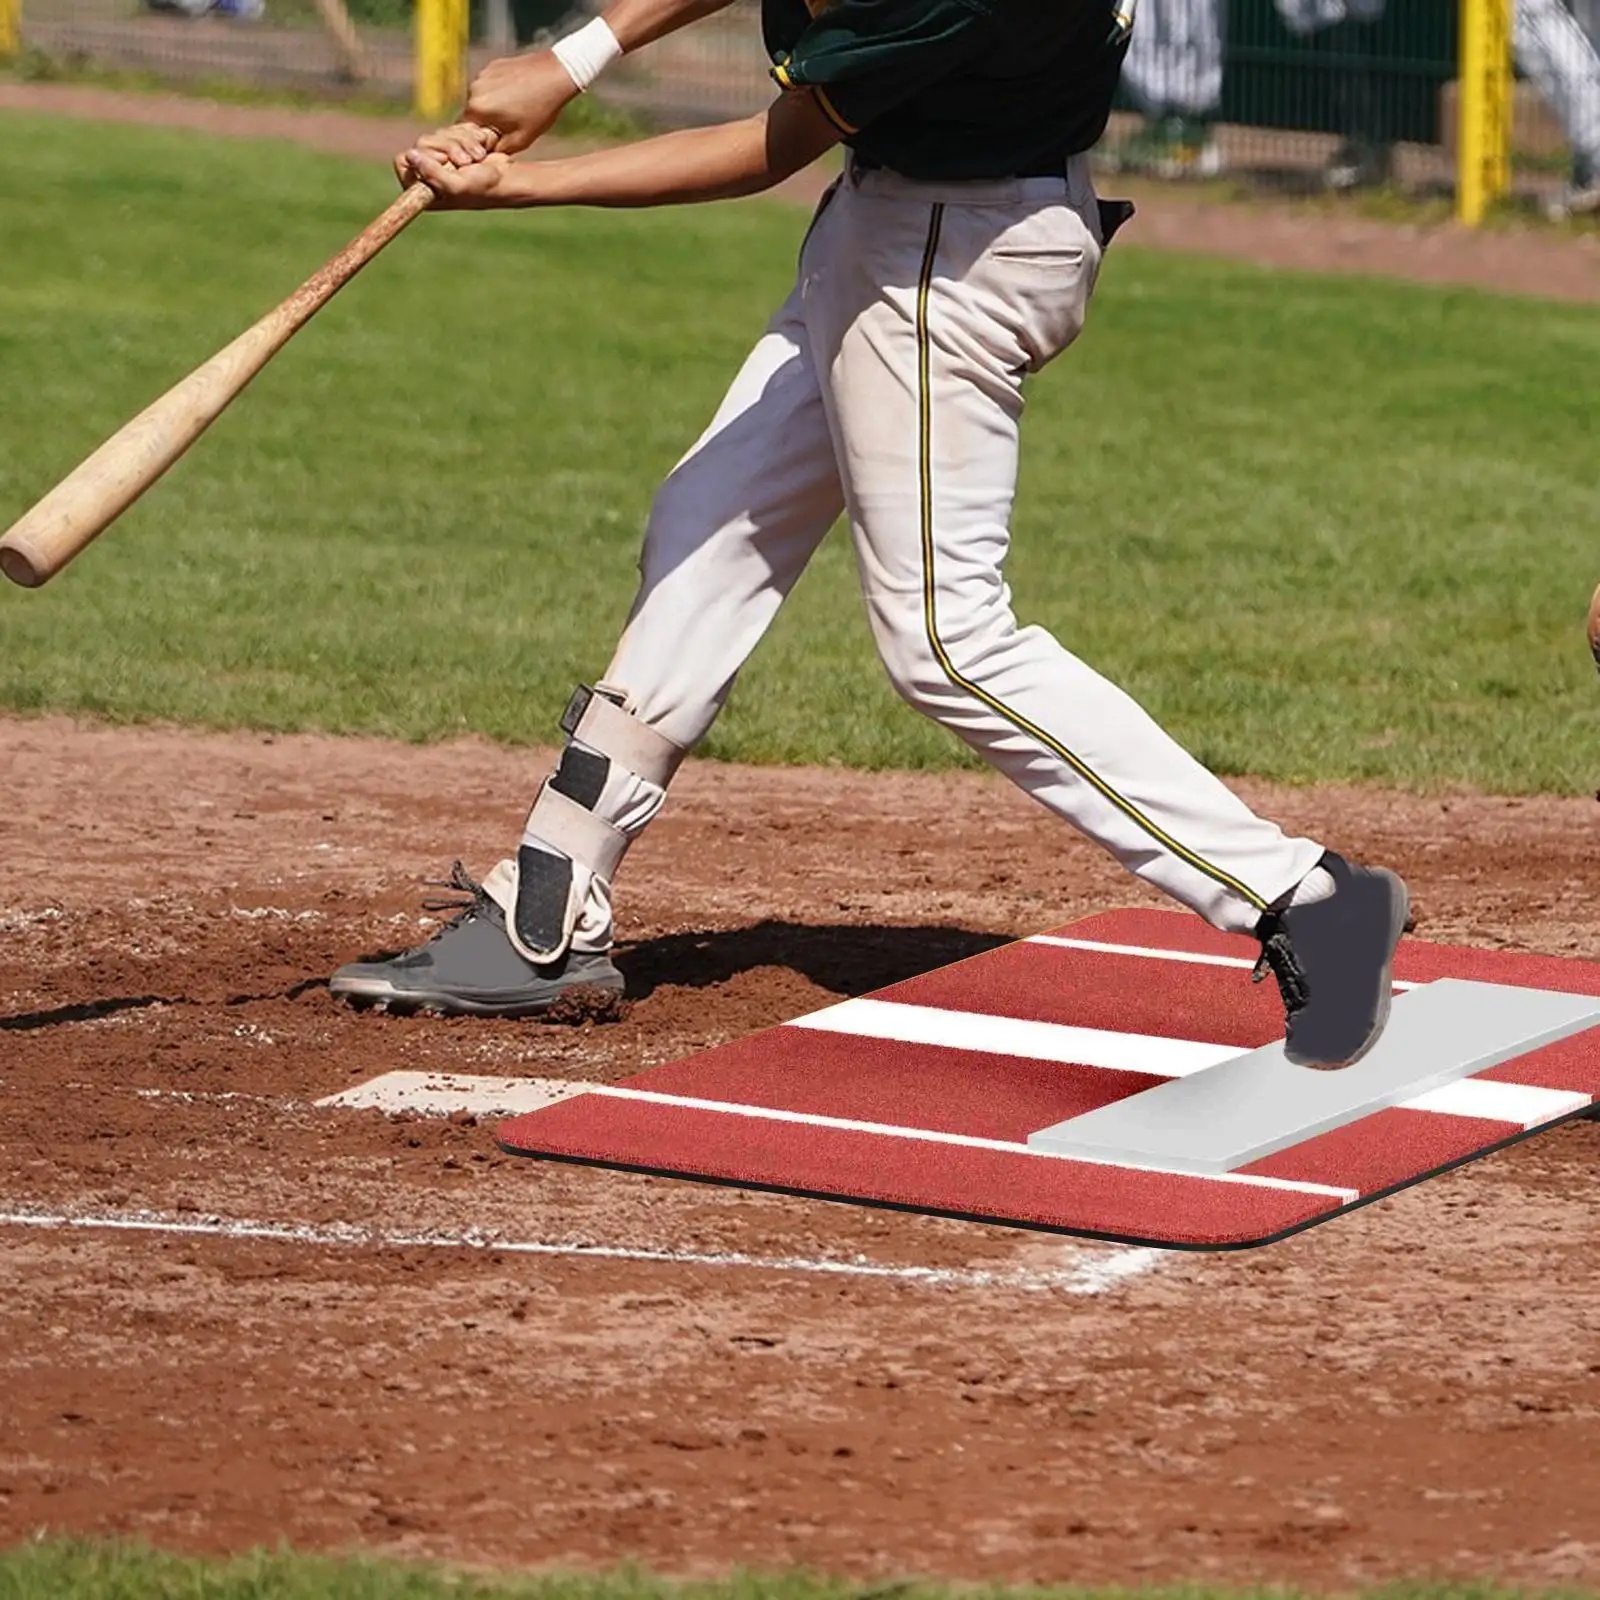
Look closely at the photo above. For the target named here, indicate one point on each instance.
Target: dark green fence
(1346, 94)
(1381, 80)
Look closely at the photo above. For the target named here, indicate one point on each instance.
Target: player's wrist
(588, 52)
(528, 183)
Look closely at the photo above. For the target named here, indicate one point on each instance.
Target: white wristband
(588, 52)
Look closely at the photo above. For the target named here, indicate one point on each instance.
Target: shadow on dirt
(849, 959)
(85, 1011)
(94, 1010)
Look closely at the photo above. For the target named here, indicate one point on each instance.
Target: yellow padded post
(1484, 141)
(10, 28)
(441, 59)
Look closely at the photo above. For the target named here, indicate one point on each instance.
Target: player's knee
(932, 666)
(909, 655)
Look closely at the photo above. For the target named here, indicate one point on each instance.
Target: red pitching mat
(925, 1095)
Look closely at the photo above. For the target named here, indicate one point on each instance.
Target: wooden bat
(91, 497)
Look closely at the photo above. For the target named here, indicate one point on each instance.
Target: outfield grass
(75, 1571)
(1327, 528)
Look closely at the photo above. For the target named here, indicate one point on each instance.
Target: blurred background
(1276, 96)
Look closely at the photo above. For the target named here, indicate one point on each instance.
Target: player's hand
(462, 145)
(519, 97)
(478, 186)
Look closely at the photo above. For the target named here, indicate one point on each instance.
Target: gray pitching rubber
(470, 969)
(1334, 962)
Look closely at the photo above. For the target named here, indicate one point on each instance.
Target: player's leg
(1553, 49)
(1173, 71)
(933, 314)
(730, 532)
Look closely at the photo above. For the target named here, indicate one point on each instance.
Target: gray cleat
(1334, 962)
(469, 968)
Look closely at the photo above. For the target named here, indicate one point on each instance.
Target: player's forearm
(675, 169)
(735, 158)
(641, 22)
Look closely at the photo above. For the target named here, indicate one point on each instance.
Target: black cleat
(1334, 962)
(469, 968)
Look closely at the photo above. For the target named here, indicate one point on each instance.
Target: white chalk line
(1096, 1275)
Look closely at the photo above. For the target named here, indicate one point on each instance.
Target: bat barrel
(99, 490)
(22, 565)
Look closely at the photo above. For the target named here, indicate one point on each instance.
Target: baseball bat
(91, 497)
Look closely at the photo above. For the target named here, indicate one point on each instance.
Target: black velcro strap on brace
(581, 775)
(544, 886)
(542, 917)
(579, 703)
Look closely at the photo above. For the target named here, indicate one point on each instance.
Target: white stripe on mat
(441, 1094)
(1195, 958)
(1493, 1101)
(1017, 1036)
(890, 1130)
(1485, 1099)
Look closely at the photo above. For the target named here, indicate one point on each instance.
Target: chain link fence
(1266, 95)
(340, 47)
(319, 46)
(1309, 95)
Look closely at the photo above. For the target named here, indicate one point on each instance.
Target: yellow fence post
(441, 41)
(10, 29)
(1484, 140)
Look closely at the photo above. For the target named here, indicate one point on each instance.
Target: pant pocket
(1047, 292)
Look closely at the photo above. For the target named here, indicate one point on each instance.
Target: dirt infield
(1410, 1391)
(1513, 261)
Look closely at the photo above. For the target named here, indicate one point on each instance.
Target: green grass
(1327, 528)
(78, 1571)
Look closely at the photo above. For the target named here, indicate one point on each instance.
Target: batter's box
(1121, 1079)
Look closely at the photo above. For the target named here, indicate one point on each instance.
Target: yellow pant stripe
(930, 610)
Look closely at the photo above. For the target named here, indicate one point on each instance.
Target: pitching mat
(1118, 1079)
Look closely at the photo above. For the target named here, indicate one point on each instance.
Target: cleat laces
(463, 898)
(1278, 958)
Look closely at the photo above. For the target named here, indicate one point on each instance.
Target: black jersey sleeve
(862, 58)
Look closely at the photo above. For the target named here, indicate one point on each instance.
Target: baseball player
(955, 256)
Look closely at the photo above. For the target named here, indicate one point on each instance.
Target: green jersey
(955, 88)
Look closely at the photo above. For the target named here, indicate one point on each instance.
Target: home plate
(1120, 1079)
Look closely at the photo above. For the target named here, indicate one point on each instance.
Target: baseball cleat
(469, 968)
(1334, 962)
